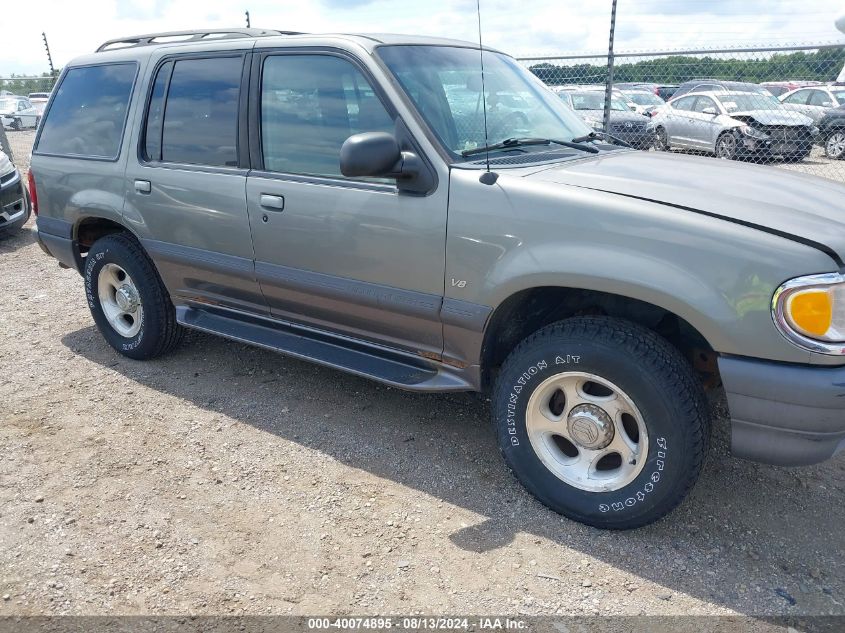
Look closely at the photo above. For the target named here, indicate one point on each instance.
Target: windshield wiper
(592, 136)
(509, 143)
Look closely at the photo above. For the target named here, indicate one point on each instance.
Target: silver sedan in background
(734, 125)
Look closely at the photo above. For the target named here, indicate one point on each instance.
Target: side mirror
(711, 111)
(378, 155)
(371, 154)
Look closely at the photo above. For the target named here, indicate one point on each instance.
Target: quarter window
(88, 113)
(193, 112)
(310, 105)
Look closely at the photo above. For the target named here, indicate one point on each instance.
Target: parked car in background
(664, 91)
(39, 102)
(634, 129)
(17, 113)
(734, 125)
(779, 88)
(814, 102)
(717, 85)
(642, 101)
(831, 134)
(14, 204)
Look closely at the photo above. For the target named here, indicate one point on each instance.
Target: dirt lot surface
(226, 479)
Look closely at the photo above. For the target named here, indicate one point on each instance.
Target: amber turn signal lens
(811, 311)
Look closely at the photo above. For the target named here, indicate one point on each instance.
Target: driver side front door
(352, 256)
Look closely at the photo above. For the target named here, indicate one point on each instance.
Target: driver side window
(310, 105)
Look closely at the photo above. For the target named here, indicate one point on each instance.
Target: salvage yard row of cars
(728, 119)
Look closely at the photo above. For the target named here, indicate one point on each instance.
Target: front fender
(717, 275)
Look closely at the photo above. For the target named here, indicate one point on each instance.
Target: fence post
(609, 87)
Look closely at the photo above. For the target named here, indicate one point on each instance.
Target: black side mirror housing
(371, 154)
(378, 155)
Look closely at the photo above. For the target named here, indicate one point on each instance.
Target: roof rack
(152, 39)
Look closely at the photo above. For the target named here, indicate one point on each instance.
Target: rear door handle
(143, 186)
(272, 203)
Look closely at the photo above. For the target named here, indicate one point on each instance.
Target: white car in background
(815, 101)
(642, 101)
(17, 113)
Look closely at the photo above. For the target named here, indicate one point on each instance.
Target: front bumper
(782, 414)
(13, 209)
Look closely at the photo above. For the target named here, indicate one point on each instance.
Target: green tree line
(19, 86)
(822, 65)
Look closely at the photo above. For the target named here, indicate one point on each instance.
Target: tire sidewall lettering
(642, 490)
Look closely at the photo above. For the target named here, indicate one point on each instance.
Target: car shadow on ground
(748, 534)
(10, 242)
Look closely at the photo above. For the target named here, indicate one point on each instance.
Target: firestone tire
(157, 330)
(654, 379)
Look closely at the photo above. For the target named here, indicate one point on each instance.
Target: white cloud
(523, 27)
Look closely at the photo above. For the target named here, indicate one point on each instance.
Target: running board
(384, 365)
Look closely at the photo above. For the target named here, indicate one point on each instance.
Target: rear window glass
(200, 124)
(88, 113)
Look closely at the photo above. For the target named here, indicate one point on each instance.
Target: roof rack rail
(151, 39)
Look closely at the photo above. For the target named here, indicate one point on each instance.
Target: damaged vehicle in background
(734, 125)
(626, 125)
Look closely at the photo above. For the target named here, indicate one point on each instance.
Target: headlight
(753, 133)
(595, 124)
(810, 312)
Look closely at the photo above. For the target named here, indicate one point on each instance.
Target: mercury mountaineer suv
(339, 198)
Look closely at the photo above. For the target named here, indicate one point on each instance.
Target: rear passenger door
(354, 256)
(187, 183)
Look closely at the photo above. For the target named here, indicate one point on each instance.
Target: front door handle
(272, 203)
(143, 186)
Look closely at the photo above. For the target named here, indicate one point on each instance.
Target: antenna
(247, 19)
(488, 177)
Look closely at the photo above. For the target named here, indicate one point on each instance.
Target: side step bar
(384, 365)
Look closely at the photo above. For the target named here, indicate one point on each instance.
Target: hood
(803, 208)
(774, 117)
(6, 165)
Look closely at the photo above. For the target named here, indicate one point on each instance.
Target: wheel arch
(530, 309)
(89, 228)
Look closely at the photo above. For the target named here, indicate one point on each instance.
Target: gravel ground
(227, 479)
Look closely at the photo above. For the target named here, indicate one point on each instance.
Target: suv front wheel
(128, 301)
(602, 420)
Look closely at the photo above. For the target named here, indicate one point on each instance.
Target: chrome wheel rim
(727, 147)
(587, 431)
(120, 300)
(835, 145)
(661, 140)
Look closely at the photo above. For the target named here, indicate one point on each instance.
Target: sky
(521, 27)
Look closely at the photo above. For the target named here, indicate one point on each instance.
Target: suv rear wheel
(128, 301)
(602, 420)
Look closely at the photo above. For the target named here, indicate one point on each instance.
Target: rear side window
(193, 112)
(88, 113)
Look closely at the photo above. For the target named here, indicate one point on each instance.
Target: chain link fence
(773, 106)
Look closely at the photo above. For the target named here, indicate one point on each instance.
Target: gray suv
(339, 198)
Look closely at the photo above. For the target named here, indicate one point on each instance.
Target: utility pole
(247, 19)
(609, 87)
(49, 57)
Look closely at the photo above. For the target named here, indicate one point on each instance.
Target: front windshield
(444, 84)
(746, 101)
(595, 101)
(644, 98)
